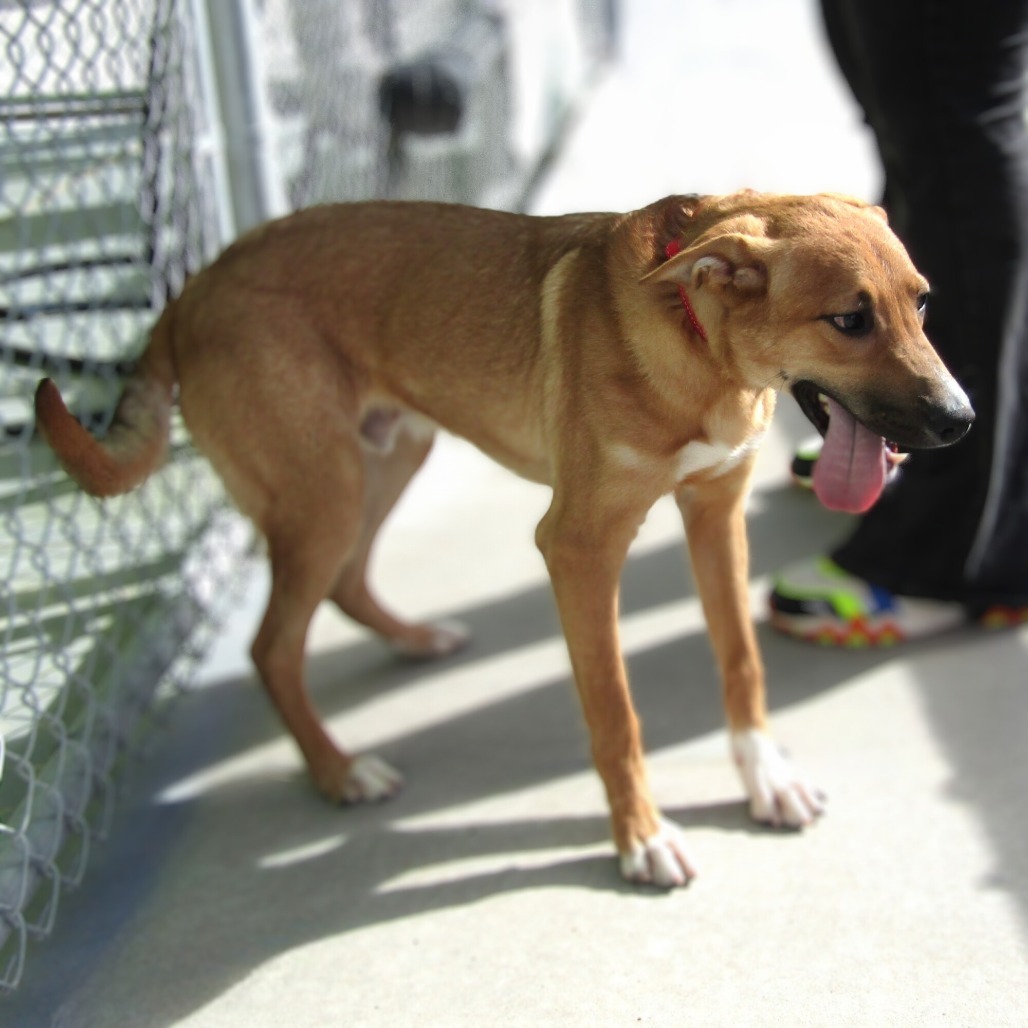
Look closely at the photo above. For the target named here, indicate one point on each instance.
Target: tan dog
(614, 357)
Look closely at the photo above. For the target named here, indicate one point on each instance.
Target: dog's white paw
(429, 641)
(779, 795)
(661, 860)
(369, 780)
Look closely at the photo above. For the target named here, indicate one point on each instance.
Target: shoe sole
(858, 634)
(870, 633)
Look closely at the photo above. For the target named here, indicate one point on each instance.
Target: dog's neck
(669, 251)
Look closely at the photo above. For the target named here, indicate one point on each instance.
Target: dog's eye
(922, 303)
(856, 323)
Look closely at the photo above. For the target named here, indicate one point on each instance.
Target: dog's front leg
(584, 552)
(714, 516)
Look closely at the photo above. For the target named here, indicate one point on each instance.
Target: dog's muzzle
(925, 424)
(862, 447)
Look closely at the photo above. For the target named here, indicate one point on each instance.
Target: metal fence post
(255, 182)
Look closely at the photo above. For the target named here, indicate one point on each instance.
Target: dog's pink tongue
(850, 473)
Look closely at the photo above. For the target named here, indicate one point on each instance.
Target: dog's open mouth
(855, 463)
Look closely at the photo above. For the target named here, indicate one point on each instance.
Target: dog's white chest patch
(719, 457)
(699, 456)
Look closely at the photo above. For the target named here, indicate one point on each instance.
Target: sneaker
(819, 602)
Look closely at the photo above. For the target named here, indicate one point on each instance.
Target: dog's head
(817, 294)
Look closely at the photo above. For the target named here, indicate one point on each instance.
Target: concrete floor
(487, 893)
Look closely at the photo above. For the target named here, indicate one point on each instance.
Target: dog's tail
(137, 441)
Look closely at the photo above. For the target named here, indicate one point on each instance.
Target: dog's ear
(735, 264)
(673, 216)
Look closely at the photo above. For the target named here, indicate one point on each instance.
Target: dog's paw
(779, 795)
(369, 780)
(660, 860)
(425, 642)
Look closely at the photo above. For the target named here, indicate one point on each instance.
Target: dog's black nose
(946, 424)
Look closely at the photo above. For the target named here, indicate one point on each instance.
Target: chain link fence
(106, 204)
(123, 124)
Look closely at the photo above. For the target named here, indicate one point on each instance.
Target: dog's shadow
(225, 879)
(258, 866)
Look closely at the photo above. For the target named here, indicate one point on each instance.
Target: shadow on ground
(282, 869)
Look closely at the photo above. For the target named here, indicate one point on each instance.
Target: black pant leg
(944, 92)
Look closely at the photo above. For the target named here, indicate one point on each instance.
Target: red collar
(669, 251)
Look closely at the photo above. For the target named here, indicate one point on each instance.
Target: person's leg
(945, 96)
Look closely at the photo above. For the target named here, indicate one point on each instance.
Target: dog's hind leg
(279, 424)
(386, 474)
(309, 539)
